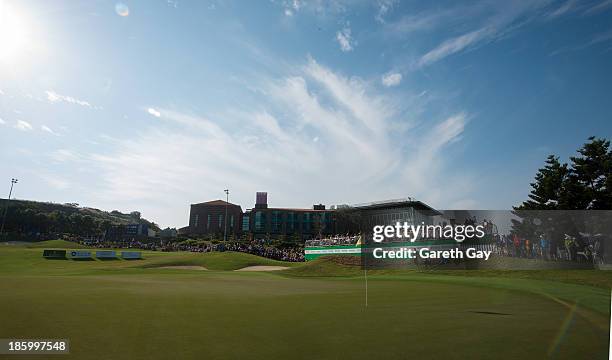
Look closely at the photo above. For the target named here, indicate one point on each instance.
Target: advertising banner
(106, 254)
(131, 255)
(80, 254)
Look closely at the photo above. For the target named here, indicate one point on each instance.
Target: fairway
(135, 310)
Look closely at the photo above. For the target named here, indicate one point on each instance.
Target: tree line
(31, 220)
(583, 183)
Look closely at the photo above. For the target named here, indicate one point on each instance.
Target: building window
(208, 222)
(220, 220)
(245, 223)
(306, 222)
(291, 222)
(260, 221)
(276, 221)
(196, 220)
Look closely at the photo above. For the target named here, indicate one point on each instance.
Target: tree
(584, 184)
(591, 173)
(546, 190)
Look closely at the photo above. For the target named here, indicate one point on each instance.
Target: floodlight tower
(13, 182)
(225, 218)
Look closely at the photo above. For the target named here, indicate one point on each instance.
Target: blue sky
(154, 105)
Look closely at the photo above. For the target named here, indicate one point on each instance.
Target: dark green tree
(547, 189)
(584, 184)
(591, 174)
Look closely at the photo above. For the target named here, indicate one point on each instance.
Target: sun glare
(15, 38)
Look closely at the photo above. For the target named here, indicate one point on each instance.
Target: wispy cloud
(391, 79)
(345, 40)
(64, 155)
(2, 122)
(55, 181)
(54, 97)
(384, 7)
(600, 38)
(563, 9)
(330, 135)
(454, 45)
(154, 112)
(602, 6)
(506, 18)
(292, 7)
(47, 129)
(23, 125)
(416, 22)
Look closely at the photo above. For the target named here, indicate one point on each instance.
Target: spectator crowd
(335, 240)
(259, 248)
(569, 249)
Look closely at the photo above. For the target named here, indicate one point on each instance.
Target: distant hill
(26, 218)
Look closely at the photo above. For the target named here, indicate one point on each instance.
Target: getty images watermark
(405, 232)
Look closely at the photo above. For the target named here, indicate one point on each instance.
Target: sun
(14, 34)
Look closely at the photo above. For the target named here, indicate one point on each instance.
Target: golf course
(181, 305)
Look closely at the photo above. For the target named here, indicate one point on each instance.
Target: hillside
(34, 219)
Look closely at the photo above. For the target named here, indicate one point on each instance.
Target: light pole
(13, 182)
(225, 219)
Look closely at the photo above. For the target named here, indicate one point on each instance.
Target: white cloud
(292, 7)
(329, 135)
(454, 45)
(597, 39)
(2, 122)
(384, 7)
(153, 112)
(392, 79)
(23, 125)
(54, 97)
(563, 9)
(602, 6)
(504, 18)
(49, 130)
(64, 155)
(54, 181)
(345, 40)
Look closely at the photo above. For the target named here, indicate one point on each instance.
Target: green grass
(19, 261)
(133, 310)
(56, 244)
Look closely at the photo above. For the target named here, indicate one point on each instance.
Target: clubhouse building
(208, 219)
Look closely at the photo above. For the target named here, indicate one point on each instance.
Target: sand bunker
(263, 268)
(183, 267)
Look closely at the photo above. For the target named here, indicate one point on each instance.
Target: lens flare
(563, 330)
(15, 36)
(122, 10)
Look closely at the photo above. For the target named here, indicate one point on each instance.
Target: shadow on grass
(489, 312)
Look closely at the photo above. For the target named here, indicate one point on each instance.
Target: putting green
(119, 310)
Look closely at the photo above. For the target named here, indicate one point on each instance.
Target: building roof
(293, 209)
(386, 204)
(395, 204)
(300, 210)
(216, 203)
